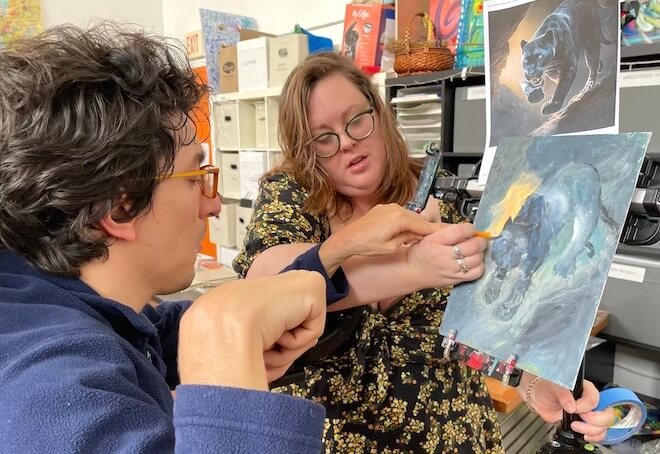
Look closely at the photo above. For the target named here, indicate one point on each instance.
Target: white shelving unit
(244, 129)
(243, 124)
(420, 119)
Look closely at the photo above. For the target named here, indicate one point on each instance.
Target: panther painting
(568, 199)
(555, 49)
(552, 68)
(556, 207)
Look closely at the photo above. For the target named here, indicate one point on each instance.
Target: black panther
(573, 29)
(567, 203)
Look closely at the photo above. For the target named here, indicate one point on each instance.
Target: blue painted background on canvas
(558, 204)
(220, 28)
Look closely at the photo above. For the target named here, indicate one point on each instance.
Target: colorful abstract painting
(19, 19)
(645, 29)
(446, 15)
(556, 206)
(470, 41)
(220, 29)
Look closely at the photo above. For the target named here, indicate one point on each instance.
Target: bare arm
(430, 263)
(390, 272)
(281, 230)
(370, 250)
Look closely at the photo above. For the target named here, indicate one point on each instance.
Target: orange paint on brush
(486, 235)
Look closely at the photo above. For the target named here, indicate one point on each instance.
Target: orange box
(366, 28)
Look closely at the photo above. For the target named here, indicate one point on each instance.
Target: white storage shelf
(246, 121)
(244, 124)
(272, 92)
(420, 122)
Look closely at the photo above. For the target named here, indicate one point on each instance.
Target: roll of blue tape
(632, 421)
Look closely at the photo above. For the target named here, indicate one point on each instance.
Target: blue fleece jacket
(82, 373)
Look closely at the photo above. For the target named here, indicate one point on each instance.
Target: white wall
(175, 18)
(146, 13)
(277, 17)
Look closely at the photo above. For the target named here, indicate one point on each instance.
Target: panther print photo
(555, 207)
(553, 67)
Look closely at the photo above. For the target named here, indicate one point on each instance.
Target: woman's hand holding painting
(550, 400)
(447, 257)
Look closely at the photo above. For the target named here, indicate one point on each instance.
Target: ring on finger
(461, 264)
(457, 252)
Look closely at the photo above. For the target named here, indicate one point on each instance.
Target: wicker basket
(424, 56)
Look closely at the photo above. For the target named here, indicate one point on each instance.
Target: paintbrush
(486, 235)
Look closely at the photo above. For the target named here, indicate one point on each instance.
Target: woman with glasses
(387, 387)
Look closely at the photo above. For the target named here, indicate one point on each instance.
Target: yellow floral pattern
(388, 389)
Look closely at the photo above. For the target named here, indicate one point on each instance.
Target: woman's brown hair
(299, 159)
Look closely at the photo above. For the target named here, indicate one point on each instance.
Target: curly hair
(298, 157)
(89, 120)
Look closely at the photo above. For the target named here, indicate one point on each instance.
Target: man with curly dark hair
(103, 205)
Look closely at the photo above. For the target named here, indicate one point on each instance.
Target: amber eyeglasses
(208, 179)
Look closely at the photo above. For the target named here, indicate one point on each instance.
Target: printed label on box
(364, 33)
(627, 272)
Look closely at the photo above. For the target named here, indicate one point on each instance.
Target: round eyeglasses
(208, 180)
(359, 127)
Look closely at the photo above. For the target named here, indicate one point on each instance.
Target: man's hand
(246, 333)
(382, 231)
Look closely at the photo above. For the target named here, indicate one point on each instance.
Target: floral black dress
(388, 390)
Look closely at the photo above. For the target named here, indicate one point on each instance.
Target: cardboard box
(274, 158)
(226, 123)
(260, 124)
(366, 28)
(226, 255)
(284, 54)
(228, 64)
(252, 165)
(272, 116)
(223, 228)
(227, 69)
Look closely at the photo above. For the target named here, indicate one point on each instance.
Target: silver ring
(457, 252)
(461, 264)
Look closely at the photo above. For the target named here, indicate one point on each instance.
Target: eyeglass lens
(358, 128)
(209, 184)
